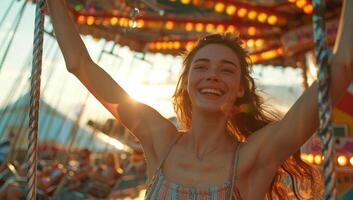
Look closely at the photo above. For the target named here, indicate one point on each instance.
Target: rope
(35, 94)
(325, 130)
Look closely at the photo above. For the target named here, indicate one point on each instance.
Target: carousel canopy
(274, 32)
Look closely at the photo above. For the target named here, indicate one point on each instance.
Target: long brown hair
(253, 117)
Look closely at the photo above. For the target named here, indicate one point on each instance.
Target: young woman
(224, 152)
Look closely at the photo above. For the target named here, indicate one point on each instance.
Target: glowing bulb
(189, 45)
(209, 27)
(308, 9)
(303, 156)
(230, 10)
(169, 25)
(140, 23)
(189, 26)
(81, 19)
(90, 20)
(176, 45)
(199, 27)
(113, 21)
(158, 45)
(252, 30)
(250, 43)
(152, 45)
(252, 15)
(342, 160)
(219, 7)
(231, 29)
(317, 159)
(351, 160)
(242, 12)
(220, 28)
(301, 3)
(196, 2)
(272, 19)
(124, 22)
(262, 17)
(259, 43)
(185, 1)
(170, 45)
(310, 158)
(164, 45)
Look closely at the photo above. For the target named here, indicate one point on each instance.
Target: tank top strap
(168, 150)
(233, 173)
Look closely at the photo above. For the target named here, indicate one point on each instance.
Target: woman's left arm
(280, 140)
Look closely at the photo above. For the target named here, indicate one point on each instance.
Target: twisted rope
(34, 102)
(325, 130)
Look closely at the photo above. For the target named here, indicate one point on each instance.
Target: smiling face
(214, 78)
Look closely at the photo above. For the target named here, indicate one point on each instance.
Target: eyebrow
(208, 60)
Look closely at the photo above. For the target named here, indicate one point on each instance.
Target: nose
(212, 75)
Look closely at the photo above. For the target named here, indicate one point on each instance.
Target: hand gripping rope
(34, 102)
(325, 130)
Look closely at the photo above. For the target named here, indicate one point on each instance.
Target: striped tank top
(160, 188)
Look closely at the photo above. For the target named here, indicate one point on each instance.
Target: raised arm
(279, 140)
(137, 117)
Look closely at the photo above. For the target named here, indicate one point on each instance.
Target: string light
(351, 160)
(158, 45)
(209, 28)
(140, 23)
(220, 28)
(189, 45)
(341, 160)
(272, 20)
(310, 158)
(199, 27)
(259, 42)
(185, 1)
(196, 2)
(189, 26)
(169, 25)
(90, 20)
(251, 30)
(176, 45)
(81, 19)
(231, 29)
(170, 45)
(301, 3)
(262, 17)
(250, 43)
(152, 45)
(305, 5)
(219, 7)
(113, 21)
(252, 15)
(230, 10)
(318, 159)
(242, 12)
(308, 9)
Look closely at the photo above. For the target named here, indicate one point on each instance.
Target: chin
(213, 109)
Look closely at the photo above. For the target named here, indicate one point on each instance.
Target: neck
(209, 134)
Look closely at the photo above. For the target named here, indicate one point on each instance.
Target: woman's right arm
(139, 118)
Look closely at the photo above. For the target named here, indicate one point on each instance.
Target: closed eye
(228, 71)
(200, 67)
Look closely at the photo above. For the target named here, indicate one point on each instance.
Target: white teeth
(211, 91)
